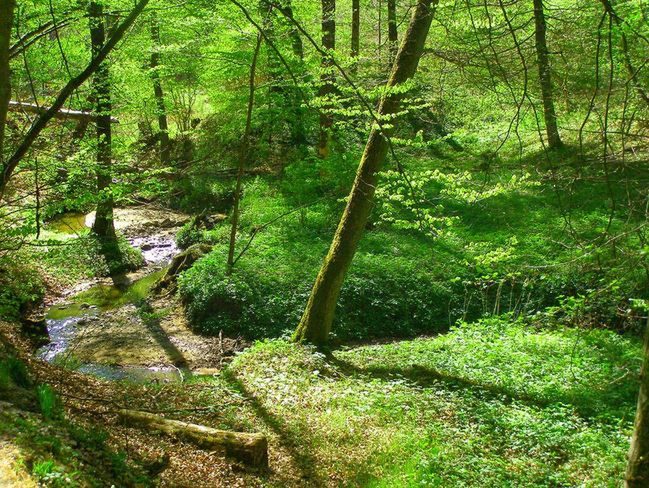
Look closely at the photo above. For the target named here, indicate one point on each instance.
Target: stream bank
(116, 328)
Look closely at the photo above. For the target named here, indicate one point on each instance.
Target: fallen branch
(62, 113)
(250, 448)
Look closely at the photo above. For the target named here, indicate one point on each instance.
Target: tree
(327, 78)
(161, 110)
(6, 21)
(41, 122)
(637, 471)
(243, 155)
(317, 319)
(356, 33)
(393, 36)
(545, 77)
(103, 226)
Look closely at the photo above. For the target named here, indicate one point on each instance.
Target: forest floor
(492, 403)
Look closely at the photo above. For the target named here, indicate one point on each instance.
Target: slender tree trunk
(637, 471)
(356, 33)
(298, 131)
(393, 36)
(161, 108)
(319, 313)
(296, 40)
(628, 63)
(103, 226)
(243, 156)
(6, 22)
(327, 78)
(41, 122)
(545, 77)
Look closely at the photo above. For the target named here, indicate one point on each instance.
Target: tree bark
(545, 77)
(10, 165)
(6, 22)
(161, 109)
(251, 448)
(393, 36)
(327, 78)
(245, 145)
(103, 226)
(356, 33)
(319, 313)
(637, 471)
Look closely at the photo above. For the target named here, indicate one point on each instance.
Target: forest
(335, 243)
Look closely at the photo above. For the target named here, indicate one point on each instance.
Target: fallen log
(62, 113)
(250, 448)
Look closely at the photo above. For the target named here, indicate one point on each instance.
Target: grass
(488, 404)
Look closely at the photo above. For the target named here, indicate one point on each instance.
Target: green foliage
(13, 370)
(20, 288)
(49, 402)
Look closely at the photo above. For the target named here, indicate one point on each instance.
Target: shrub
(20, 287)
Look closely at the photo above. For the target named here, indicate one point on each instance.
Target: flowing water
(83, 316)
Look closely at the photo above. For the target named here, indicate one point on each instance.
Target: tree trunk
(296, 40)
(37, 127)
(103, 226)
(393, 39)
(327, 78)
(318, 316)
(163, 125)
(251, 448)
(637, 471)
(6, 22)
(356, 33)
(82, 116)
(624, 45)
(245, 144)
(545, 77)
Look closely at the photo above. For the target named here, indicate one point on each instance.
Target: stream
(110, 329)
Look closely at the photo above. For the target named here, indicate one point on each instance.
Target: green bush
(13, 370)
(266, 295)
(20, 287)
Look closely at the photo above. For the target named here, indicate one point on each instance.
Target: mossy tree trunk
(6, 21)
(161, 109)
(545, 77)
(319, 313)
(393, 35)
(104, 226)
(637, 471)
(356, 33)
(327, 78)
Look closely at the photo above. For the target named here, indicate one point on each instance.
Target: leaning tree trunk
(356, 33)
(10, 165)
(393, 36)
(327, 78)
(103, 226)
(637, 471)
(545, 77)
(161, 109)
(319, 313)
(6, 21)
